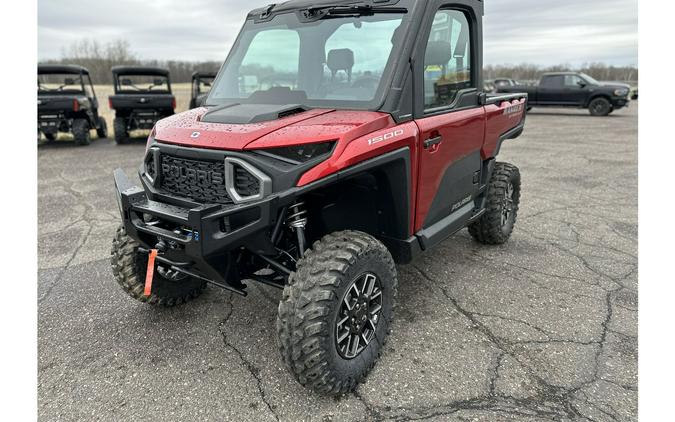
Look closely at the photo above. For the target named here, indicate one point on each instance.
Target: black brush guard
(201, 248)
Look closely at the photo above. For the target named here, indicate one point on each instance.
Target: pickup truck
(571, 89)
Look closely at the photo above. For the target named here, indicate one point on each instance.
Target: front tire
(129, 268)
(120, 128)
(495, 226)
(600, 107)
(81, 131)
(335, 312)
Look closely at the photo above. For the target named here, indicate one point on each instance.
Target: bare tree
(99, 58)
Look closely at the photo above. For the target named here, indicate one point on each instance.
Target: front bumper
(196, 234)
(619, 102)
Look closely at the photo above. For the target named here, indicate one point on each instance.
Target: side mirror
(125, 82)
(158, 82)
(69, 81)
(582, 84)
(207, 83)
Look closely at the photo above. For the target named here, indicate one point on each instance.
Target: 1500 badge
(385, 137)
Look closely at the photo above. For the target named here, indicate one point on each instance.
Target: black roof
(61, 68)
(199, 74)
(559, 73)
(140, 70)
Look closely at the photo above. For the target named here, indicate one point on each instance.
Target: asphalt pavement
(543, 328)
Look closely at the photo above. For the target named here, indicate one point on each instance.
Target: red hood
(187, 129)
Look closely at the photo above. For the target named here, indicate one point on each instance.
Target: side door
(450, 118)
(551, 90)
(576, 90)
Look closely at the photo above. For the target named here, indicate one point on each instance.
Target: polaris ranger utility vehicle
(571, 89)
(374, 143)
(142, 97)
(200, 87)
(67, 103)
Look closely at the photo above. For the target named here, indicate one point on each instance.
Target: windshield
(341, 62)
(134, 84)
(60, 83)
(589, 79)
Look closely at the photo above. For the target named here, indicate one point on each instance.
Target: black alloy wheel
(358, 316)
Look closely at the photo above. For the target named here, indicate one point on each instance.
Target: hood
(615, 85)
(212, 128)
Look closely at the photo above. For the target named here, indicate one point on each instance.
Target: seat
(341, 59)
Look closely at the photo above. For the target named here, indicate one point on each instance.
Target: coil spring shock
(298, 221)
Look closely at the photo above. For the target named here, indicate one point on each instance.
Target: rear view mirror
(69, 81)
(158, 82)
(125, 82)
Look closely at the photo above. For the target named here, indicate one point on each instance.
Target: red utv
(340, 138)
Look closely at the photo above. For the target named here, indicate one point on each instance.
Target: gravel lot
(543, 328)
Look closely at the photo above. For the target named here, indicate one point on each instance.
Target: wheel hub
(358, 315)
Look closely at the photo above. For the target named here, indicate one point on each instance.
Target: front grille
(200, 181)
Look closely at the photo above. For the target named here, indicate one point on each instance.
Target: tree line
(531, 72)
(99, 58)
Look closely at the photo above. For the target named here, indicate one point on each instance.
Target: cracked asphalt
(543, 328)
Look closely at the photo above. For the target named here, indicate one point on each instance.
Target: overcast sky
(543, 32)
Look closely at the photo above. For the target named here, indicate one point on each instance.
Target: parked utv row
(67, 101)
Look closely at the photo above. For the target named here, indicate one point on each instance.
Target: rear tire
(503, 199)
(316, 334)
(81, 131)
(129, 267)
(600, 107)
(51, 137)
(102, 130)
(120, 128)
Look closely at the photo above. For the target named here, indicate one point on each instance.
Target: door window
(572, 81)
(447, 63)
(552, 82)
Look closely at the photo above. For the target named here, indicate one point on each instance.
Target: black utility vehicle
(67, 103)
(571, 89)
(201, 85)
(142, 97)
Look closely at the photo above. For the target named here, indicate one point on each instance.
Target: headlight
(299, 154)
(621, 92)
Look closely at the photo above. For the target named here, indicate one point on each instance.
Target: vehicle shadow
(44, 144)
(568, 114)
(66, 143)
(136, 140)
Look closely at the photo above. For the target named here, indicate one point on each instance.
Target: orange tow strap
(150, 274)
